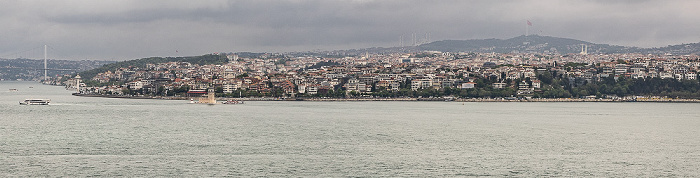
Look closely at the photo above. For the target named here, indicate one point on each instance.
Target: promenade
(670, 100)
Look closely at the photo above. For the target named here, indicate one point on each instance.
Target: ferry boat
(232, 102)
(35, 102)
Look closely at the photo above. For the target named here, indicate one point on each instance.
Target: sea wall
(410, 99)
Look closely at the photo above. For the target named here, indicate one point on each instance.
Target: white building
(230, 87)
(135, 85)
(499, 85)
(467, 85)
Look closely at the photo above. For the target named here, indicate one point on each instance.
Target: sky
(132, 29)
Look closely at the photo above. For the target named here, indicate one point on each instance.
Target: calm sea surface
(85, 136)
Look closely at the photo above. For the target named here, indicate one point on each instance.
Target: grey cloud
(133, 29)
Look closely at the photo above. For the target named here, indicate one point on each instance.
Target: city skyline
(124, 30)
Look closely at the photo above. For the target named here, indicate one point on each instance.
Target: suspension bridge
(31, 53)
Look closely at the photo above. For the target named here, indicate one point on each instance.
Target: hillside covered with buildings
(426, 74)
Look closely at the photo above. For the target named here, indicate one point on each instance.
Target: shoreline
(659, 100)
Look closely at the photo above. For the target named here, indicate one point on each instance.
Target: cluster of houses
(296, 75)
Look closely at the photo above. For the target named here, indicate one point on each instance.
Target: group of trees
(558, 86)
(642, 86)
(199, 60)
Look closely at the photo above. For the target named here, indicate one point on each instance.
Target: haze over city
(123, 30)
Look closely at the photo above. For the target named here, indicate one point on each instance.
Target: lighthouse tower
(77, 83)
(211, 97)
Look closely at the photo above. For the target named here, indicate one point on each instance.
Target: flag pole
(526, 28)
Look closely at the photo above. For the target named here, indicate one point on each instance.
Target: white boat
(232, 102)
(35, 102)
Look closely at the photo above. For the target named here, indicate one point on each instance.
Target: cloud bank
(129, 29)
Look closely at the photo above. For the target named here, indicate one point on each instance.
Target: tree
(160, 90)
(545, 77)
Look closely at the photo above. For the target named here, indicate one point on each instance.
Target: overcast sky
(131, 29)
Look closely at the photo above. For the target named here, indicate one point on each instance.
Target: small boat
(35, 102)
(232, 102)
(13, 89)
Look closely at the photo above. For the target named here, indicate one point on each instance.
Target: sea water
(94, 136)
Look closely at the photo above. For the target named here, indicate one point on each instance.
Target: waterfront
(93, 136)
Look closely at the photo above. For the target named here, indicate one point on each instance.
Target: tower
(428, 41)
(210, 96)
(77, 83)
(584, 49)
(427, 38)
(45, 70)
(414, 39)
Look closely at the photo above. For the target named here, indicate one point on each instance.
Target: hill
(548, 44)
(200, 60)
(532, 43)
(692, 48)
(32, 69)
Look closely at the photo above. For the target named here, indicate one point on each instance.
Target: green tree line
(199, 60)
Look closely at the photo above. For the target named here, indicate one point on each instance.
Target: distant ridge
(519, 44)
(200, 60)
(548, 44)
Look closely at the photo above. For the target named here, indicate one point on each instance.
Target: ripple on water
(86, 136)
